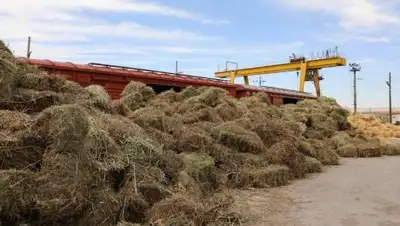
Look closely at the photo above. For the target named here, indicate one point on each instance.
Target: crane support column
(303, 72)
(246, 80)
(232, 77)
(316, 80)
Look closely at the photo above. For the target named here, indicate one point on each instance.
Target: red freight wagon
(114, 78)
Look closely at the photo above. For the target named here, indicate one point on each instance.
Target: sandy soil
(360, 192)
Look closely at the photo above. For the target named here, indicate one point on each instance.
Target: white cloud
(51, 9)
(353, 14)
(345, 37)
(64, 22)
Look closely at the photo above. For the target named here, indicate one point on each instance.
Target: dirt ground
(360, 192)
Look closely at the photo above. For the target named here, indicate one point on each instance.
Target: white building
(396, 118)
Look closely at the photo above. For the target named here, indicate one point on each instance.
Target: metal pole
(28, 51)
(389, 83)
(354, 67)
(176, 67)
(355, 91)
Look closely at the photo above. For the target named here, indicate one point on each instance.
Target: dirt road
(360, 192)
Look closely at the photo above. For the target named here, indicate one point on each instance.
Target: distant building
(396, 119)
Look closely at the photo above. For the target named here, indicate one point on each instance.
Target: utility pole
(354, 67)
(28, 51)
(389, 83)
(260, 81)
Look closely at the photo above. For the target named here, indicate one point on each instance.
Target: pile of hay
(373, 127)
(71, 156)
(136, 95)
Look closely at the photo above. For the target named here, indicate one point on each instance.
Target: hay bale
(241, 160)
(119, 108)
(392, 147)
(8, 70)
(258, 99)
(185, 210)
(65, 186)
(118, 127)
(73, 92)
(320, 126)
(211, 96)
(189, 92)
(320, 150)
(136, 95)
(41, 82)
(170, 96)
(313, 165)
(273, 131)
(177, 210)
(153, 192)
(104, 150)
(203, 114)
(23, 152)
(188, 185)
(259, 177)
(150, 117)
(17, 189)
(13, 121)
(271, 176)
(65, 126)
(56, 194)
(135, 207)
(348, 151)
(104, 209)
(287, 153)
(31, 101)
(198, 165)
(340, 139)
(370, 149)
(193, 139)
(237, 138)
(99, 96)
(165, 140)
(230, 110)
(142, 150)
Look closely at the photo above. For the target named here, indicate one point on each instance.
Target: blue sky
(202, 34)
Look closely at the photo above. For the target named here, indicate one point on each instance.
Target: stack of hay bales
(71, 156)
(373, 127)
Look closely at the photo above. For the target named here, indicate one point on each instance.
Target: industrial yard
(199, 113)
(111, 145)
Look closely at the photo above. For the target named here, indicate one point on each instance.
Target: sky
(203, 34)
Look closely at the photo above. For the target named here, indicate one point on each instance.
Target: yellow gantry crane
(309, 70)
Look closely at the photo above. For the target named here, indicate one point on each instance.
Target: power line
(259, 81)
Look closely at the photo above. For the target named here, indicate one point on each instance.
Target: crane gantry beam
(309, 70)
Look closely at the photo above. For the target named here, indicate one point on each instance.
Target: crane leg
(232, 77)
(246, 80)
(317, 83)
(303, 71)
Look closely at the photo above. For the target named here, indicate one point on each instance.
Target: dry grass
(136, 95)
(70, 156)
(373, 127)
(237, 138)
(287, 153)
(260, 177)
(99, 96)
(8, 69)
(65, 126)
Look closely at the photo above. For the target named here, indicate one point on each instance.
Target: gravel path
(362, 192)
